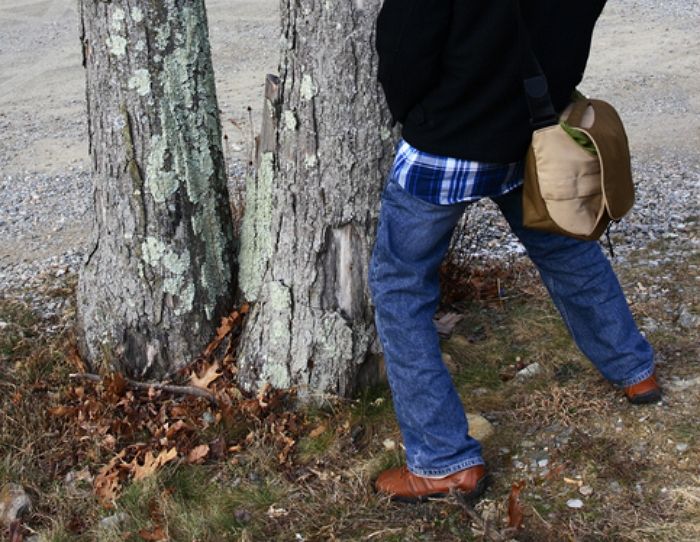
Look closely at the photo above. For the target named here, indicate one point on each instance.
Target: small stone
(615, 487)
(650, 325)
(449, 362)
(528, 372)
(479, 427)
(389, 444)
(586, 491)
(687, 320)
(74, 477)
(679, 384)
(682, 447)
(14, 502)
(574, 503)
(542, 463)
(113, 522)
(242, 515)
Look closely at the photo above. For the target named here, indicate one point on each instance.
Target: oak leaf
(198, 454)
(210, 374)
(151, 463)
(106, 484)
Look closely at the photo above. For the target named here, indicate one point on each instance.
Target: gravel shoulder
(643, 60)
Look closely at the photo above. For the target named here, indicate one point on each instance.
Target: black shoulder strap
(542, 112)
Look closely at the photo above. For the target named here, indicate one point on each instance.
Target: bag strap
(577, 113)
(542, 112)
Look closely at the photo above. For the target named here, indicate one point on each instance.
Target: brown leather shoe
(402, 485)
(645, 392)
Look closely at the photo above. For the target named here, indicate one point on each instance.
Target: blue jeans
(412, 240)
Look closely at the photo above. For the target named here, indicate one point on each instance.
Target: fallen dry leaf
(115, 384)
(62, 411)
(227, 325)
(318, 431)
(210, 374)
(155, 534)
(151, 464)
(106, 484)
(515, 509)
(198, 454)
(16, 531)
(446, 323)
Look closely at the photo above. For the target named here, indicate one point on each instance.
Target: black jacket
(451, 69)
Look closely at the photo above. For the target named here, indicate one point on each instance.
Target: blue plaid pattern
(444, 181)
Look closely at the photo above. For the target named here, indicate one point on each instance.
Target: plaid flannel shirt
(444, 181)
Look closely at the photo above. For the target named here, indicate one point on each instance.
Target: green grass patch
(192, 503)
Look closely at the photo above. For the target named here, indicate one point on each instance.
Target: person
(451, 73)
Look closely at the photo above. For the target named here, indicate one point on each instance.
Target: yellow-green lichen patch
(311, 161)
(308, 88)
(256, 243)
(161, 183)
(162, 36)
(140, 82)
(173, 267)
(188, 115)
(289, 121)
(137, 14)
(118, 16)
(116, 45)
(279, 301)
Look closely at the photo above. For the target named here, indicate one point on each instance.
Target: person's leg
(412, 239)
(586, 291)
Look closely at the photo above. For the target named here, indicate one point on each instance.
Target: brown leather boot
(645, 392)
(402, 485)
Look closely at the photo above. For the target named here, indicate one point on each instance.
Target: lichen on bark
(312, 207)
(162, 268)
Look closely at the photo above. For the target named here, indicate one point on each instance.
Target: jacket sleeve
(411, 35)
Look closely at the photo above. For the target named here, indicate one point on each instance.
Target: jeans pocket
(400, 193)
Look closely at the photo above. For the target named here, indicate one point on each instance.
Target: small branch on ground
(179, 390)
(482, 526)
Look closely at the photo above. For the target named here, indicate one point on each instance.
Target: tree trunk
(312, 207)
(161, 270)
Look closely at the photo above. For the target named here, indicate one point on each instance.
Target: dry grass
(643, 488)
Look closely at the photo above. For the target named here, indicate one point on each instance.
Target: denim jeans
(412, 240)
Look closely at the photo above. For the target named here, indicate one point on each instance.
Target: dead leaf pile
(142, 430)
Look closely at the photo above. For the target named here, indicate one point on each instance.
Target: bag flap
(608, 135)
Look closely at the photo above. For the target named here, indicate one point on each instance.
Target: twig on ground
(487, 530)
(180, 390)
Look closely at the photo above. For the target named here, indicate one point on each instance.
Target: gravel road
(644, 60)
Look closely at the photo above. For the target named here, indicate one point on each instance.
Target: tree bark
(312, 207)
(161, 271)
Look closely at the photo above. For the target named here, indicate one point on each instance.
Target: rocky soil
(642, 61)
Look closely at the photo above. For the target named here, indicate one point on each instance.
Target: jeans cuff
(646, 373)
(446, 471)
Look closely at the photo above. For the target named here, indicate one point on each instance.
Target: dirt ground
(42, 82)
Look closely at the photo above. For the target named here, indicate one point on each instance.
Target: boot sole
(468, 497)
(653, 396)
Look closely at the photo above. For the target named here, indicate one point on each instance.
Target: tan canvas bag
(570, 190)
